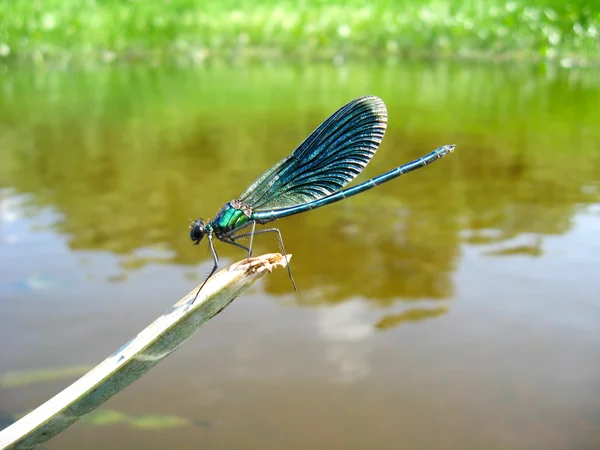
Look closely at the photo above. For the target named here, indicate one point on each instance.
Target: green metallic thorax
(233, 215)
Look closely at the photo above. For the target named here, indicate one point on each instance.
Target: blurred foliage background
(59, 32)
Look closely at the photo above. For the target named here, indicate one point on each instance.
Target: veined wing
(332, 156)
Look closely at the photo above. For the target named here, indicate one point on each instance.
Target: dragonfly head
(197, 231)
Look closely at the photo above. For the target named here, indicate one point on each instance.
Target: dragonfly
(314, 175)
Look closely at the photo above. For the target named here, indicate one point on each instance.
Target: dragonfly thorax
(233, 215)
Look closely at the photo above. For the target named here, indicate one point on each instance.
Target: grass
(63, 32)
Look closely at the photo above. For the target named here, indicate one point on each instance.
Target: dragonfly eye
(197, 231)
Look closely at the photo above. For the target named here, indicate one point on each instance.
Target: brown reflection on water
(411, 315)
(118, 192)
(114, 201)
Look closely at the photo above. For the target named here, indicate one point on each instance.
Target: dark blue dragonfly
(311, 177)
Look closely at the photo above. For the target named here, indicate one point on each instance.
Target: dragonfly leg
(281, 246)
(252, 239)
(214, 269)
(230, 237)
(229, 241)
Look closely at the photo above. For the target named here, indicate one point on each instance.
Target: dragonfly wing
(332, 156)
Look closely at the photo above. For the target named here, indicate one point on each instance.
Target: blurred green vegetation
(127, 156)
(59, 32)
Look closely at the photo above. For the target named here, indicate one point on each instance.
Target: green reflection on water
(150, 422)
(28, 377)
(129, 155)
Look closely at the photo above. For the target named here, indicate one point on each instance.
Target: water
(456, 307)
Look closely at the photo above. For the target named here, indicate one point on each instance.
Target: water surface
(455, 307)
